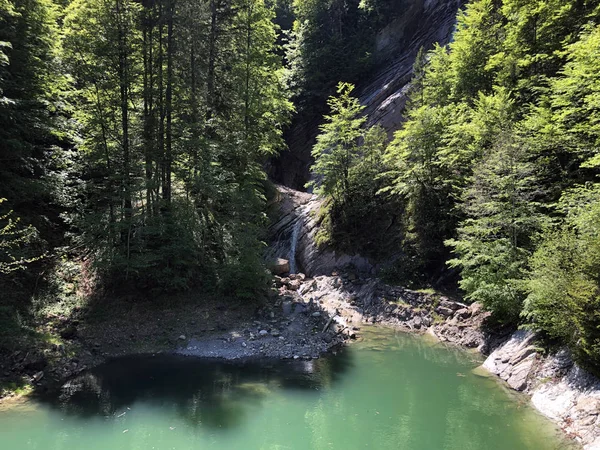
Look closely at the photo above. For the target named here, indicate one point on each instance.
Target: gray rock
(299, 308)
(588, 406)
(463, 313)
(444, 311)
(520, 373)
(454, 306)
(38, 376)
(280, 266)
(263, 332)
(286, 308)
(521, 355)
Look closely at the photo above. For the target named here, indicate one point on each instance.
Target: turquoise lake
(388, 391)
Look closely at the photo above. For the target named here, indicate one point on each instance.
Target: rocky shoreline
(309, 317)
(558, 388)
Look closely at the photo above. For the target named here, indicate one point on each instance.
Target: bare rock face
(512, 361)
(292, 237)
(462, 324)
(424, 23)
(559, 389)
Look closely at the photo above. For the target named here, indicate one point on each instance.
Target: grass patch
(427, 291)
(19, 388)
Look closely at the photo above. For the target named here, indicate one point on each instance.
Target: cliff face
(424, 23)
(292, 237)
(421, 24)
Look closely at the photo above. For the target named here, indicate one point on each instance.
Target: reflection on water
(210, 393)
(389, 391)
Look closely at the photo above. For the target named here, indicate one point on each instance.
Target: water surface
(390, 391)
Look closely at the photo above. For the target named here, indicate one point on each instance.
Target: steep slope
(422, 24)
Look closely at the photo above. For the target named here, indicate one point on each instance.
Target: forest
(135, 137)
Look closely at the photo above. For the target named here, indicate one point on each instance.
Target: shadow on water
(207, 393)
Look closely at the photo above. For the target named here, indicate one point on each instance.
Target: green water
(391, 391)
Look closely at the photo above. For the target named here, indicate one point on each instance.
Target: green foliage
(348, 162)
(499, 121)
(575, 98)
(14, 240)
(337, 146)
(564, 300)
(178, 105)
(494, 241)
(330, 41)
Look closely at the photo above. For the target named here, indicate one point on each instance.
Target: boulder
(463, 313)
(444, 311)
(280, 266)
(520, 373)
(294, 285)
(445, 303)
(475, 308)
(417, 322)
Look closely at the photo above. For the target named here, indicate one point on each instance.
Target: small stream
(389, 391)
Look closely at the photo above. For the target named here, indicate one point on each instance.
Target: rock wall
(292, 237)
(559, 388)
(424, 23)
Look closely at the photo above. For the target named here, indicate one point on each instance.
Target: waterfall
(293, 245)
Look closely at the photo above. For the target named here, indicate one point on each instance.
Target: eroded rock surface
(293, 237)
(559, 388)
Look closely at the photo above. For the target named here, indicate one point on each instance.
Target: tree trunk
(169, 105)
(212, 53)
(124, 97)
